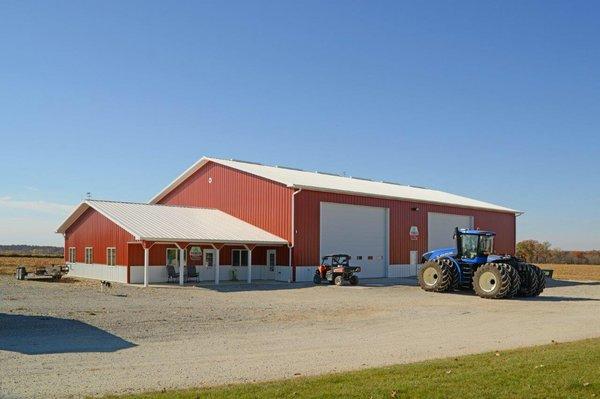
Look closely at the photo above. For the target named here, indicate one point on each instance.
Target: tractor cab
(474, 246)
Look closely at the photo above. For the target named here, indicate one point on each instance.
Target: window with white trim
(89, 255)
(72, 255)
(111, 256)
(239, 257)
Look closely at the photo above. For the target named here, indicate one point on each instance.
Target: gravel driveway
(61, 339)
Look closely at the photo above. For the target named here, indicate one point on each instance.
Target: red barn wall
(258, 201)
(92, 229)
(402, 217)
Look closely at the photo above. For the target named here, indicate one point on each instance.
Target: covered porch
(201, 262)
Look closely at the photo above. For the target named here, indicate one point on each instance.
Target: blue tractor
(472, 265)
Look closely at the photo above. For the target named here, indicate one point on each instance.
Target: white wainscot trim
(305, 273)
(158, 274)
(402, 270)
(97, 271)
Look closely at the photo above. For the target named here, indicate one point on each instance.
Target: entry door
(271, 264)
(210, 257)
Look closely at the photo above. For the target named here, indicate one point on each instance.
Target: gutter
(290, 246)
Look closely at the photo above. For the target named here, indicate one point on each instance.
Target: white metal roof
(296, 178)
(174, 223)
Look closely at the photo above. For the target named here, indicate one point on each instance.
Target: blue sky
(498, 101)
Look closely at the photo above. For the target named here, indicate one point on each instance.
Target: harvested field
(8, 264)
(574, 272)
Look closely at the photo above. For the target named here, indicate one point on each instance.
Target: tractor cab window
(326, 261)
(469, 245)
(486, 245)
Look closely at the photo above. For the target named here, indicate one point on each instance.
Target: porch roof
(175, 223)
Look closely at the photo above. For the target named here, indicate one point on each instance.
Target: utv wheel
(529, 280)
(339, 280)
(317, 279)
(353, 280)
(491, 281)
(435, 276)
(515, 280)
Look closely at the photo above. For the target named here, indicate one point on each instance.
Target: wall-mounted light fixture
(415, 208)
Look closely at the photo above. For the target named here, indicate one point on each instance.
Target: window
(239, 257)
(173, 257)
(469, 245)
(111, 256)
(72, 255)
(89, 255)
(359, 257)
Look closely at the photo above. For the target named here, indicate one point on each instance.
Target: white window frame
(111, 260)
(89, 260)
(72, 254)
(240, 257)
(185, 255)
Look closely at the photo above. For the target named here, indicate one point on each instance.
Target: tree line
(542, 252)
(31, 250)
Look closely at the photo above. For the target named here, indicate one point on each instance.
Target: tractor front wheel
(436, 276)
(492, 281)
(339, 280)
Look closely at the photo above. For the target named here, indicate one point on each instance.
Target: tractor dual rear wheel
(515, 281)
(492, 281)
(530, 280)
(436, 276)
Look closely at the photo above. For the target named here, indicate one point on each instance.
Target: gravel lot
(62, 340)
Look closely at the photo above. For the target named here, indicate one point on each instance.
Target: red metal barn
(226, 219)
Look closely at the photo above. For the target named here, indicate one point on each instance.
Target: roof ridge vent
(250, 162)
(288, 167)
(327, 173)
(393, 182)
(361, 178)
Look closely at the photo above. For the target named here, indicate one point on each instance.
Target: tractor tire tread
(504, 281)
(444, 282)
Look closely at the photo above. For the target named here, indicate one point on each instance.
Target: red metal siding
(93, 229)
(258, 201)
(402, 217)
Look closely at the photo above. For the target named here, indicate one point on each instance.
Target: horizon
(118, 99)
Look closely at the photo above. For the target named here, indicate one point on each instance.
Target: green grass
(565, 370)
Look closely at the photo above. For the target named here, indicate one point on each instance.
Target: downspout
(290, 246)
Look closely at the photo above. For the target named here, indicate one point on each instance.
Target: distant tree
(534, 251)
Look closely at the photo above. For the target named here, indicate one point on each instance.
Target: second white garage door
(359, 231)
(440, 228)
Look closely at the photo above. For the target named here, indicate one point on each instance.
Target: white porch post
(146, 262)
(217, 264)
(181, 260)
(249, 266)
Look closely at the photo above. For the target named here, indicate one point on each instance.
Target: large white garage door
(440, 228)
(359, 231)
